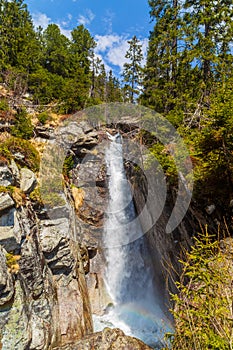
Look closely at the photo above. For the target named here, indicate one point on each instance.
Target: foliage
(132, 72)
(189, 52)
(4, 105)
(12, 262)
(43, 117)
(18, 196)
(159, 153)
(22, 126)
(68, 165)
(35, 196)
(203, 304)
(29, 156)
(47, 64)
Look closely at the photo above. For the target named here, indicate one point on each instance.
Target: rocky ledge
(108, 339)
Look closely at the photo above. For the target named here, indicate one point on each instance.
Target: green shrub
(4, 105)
(68, 165)
(23, 126)
(43, 117)
(203, 306)
(16, 145)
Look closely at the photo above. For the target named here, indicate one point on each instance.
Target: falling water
(137, 306)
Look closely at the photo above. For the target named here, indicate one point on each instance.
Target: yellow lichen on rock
(78, 196)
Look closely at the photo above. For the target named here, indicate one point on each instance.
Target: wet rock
(6, 282)
(106, 340)
(6, 201)
(28, 180)
(6, 177)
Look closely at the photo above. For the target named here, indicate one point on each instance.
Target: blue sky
(112, 23)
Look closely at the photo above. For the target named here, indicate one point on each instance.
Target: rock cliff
(51, 259)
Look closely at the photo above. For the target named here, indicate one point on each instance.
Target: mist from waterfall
(137, 304)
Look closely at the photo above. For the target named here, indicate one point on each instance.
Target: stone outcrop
(108, 339)
(27, 180)
(6, 201)
(43, 294)
(6, 281)
(6, 176)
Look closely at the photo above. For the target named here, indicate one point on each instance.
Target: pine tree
(56, 51)
(209, 31)
(19, 47)
(189, 51)
(161, 73)
(133, 69)
(113, 89)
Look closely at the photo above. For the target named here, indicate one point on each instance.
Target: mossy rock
(14, 145)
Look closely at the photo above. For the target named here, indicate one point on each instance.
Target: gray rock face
(56, 249)
(6, 177)
(6, 283)
(45, 302)
(6, 201)
(27, 180)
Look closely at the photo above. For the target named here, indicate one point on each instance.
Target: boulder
(6, 177)
(106, 340)
(8, 239)
(27, 180)
(15, 172)
(8, 218)
(6, 201)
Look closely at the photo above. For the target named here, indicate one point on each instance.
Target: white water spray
(137, 304)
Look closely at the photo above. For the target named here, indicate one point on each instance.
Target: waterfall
(137, 304)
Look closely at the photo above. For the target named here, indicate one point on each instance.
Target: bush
(23, 126)
(203, 306)
(68, 165)
(4, 105)
(44, 117)
(30, 156)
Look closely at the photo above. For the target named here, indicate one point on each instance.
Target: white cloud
(41, 19)
(66, 32)
(144, 43)
(104, 42)
(113, 48)
(107, 20)
(116, 55)
(87, 18)
(106, 66)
